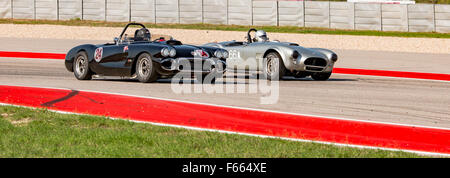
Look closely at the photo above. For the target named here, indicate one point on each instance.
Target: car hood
(186, 50)
(306, 52)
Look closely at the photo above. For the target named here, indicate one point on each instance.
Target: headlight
(165, 52)
(218, 54)
(225, 54)
(295, 55)
(334, 57)
(172, 52)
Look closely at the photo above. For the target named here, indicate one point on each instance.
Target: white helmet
(261, 36)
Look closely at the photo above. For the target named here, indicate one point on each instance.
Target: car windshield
(129, 37)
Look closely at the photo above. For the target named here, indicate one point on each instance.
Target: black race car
(145, 59)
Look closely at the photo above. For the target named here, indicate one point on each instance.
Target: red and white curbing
(226, 119)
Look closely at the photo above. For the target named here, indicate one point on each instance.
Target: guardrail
(336, 15)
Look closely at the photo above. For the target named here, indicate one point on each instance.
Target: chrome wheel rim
(272, 64)
(144, 67)
(81, 65)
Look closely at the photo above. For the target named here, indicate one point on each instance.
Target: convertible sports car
(277, 59)
(144, 59)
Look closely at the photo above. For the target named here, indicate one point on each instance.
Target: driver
(261, 36)
(142, 34)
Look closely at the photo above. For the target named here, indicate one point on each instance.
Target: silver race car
(277, 59)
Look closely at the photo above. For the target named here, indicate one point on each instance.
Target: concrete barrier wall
(394, 17)
(336, 15)
(167, 11)
(215, 11)
(421, 17)
(291, 13)
(265, 12)
(342, 15)
(442, 15)
(70, 9)
(46, 9)
(191, 11)
(240, 12)
(5, 9)
(367, 16)
(23, 9)
(317, 14)
(142, 11)
(118, 10)
(94, 10)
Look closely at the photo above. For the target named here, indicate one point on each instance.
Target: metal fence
(336, 15)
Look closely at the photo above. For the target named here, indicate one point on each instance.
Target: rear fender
(70, 56)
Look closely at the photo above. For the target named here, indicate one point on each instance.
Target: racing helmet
(261, 36)
(142, 34)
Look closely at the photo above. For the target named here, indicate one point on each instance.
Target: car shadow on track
(310, 79)
(169, 81)
(288, 78)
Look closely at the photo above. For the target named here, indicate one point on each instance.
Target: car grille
(313, 61)
(312, 68)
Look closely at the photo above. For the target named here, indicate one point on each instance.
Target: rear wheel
(81, 66)
(274, 68)
(321, 76)
(146, 69)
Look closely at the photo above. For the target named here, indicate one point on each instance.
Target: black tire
(321, 76)
(300, 74)
(81, 66)
(274, 68)
(146, 69)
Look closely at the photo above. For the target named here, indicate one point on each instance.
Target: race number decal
(98, 54)
(234, 54)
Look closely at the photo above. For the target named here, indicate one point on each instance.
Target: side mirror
(116, 40)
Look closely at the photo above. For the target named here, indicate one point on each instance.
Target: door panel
(112, 60)
(242, 57)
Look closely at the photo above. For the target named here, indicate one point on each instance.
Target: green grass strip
(40, 133)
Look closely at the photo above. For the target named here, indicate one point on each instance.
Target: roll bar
(249, 37)
(126, 27)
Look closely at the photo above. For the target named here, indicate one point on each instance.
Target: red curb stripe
(32, 55)
(370, 72)
(233, 119)
(386, 73)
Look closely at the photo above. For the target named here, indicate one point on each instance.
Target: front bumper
(301, 64)
(201, 65)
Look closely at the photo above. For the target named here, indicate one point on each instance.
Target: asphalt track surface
(394, 100)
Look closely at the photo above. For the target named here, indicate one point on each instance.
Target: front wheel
(301, 74)
(146, 69)
(81, 67)
(321, 76)
(274, 68)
